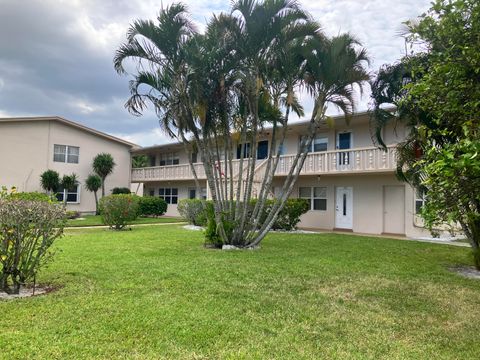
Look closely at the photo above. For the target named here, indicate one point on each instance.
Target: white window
(73, 195)
(169, 159)
(170, 195)
(66, 153)
(316, 197)
(420, 199)
(319, 143)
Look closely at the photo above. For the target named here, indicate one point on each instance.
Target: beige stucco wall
(26, 150)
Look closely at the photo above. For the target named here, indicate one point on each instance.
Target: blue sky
(56, 55)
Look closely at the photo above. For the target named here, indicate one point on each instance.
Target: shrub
(120, 190)
(152, 206)
(192, 210)
(32, 196)
(118, 211)
(289, 217)
(72, 214)
(27, 230)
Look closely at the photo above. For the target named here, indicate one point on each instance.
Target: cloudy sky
(56, 55)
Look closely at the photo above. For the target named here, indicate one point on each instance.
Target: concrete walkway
(133, 225)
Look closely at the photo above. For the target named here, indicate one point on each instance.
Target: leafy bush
(120, 190)
(118, 211)
(27, 230)
(152, 206)
(192, 210)
(289, 217)
(72, 214)
(32, 196)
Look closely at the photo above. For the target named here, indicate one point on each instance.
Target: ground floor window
(192, 193)
(420, 198)
(170, 195)
(73, 195)
(316, 197)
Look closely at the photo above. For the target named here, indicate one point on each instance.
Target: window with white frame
(170, 195)
(316, 197)
(169, 159)
(420, 199)
(73, 195)
(319, 143)
(66, 153)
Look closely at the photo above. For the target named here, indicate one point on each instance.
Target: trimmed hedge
(152, 206)
(120, 190)
(193, 211)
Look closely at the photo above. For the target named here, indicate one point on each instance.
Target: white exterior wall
(26, 151)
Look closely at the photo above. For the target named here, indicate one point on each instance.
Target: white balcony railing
(362, 160)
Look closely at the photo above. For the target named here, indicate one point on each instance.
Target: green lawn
(96, 220)
(155, 292)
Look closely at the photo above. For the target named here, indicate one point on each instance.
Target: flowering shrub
(27, 230)
(118, 211)
(152, 206)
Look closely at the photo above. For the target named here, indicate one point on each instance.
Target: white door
(394, 209)
(344, 208)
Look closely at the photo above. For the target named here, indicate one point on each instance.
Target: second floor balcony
(351, 161)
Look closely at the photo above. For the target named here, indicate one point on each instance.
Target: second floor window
(66, 154)
(170, 195)
(319, 143)
(169, 159)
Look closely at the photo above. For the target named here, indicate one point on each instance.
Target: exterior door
(344, 208)
(394, 209)
(344, 141)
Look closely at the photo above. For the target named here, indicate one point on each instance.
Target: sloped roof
(72, 124)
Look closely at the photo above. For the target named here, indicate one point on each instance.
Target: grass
(96, 220)
(155, 292)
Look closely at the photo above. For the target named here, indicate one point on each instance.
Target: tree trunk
(96, 203)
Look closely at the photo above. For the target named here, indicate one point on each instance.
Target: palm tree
(50, 181)
(103, 165)
(68, 182)
(230, 82)
(93, 184)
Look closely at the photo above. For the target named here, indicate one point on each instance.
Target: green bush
(120, 190)
(27, 230)
(32, 196)
(71, 214)
(152, 206)
(289, 217)
(118, 211)
(192, 210)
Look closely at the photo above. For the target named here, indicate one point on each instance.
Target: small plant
(118, 211)
(289, 217)
(152, 206)
(72, 214)
(93, 183)
(120, 190)
(32, 196)
(50, 181)
(193, 211)
(27, 230)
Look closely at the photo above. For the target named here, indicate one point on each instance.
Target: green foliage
(103, 165)
(50, 181)
(27, 230)
(139, 161)
(32, 196)
(289, 217)
(441, 104)
(118, 211)
(120, 190)
(71, 214)
(93, 183)
(193, 211)
(152, 206)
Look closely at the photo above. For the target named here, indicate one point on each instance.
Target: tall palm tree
(103, 165)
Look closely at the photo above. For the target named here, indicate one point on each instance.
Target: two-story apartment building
(350, 183)
(29, 146)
